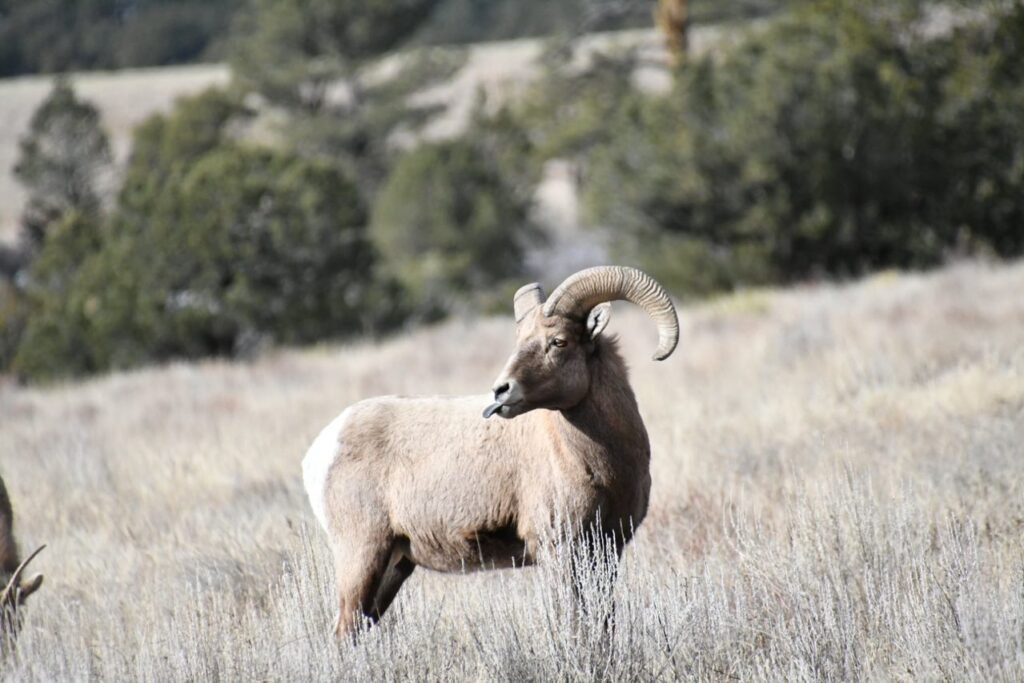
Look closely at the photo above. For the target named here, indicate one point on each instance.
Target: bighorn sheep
(15, 590)
(398, 482)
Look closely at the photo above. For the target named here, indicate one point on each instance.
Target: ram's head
(556, 339)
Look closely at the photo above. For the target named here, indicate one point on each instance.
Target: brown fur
(8, 548)
(13, 589)
(427, 481)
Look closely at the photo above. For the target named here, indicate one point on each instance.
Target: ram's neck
(605, 431)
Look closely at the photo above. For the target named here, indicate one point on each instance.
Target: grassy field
(838, 494)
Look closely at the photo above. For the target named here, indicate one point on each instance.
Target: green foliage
(983, 131)
(311, 57)
(291, 52)
(64, 159)
(53, 36)
(472, 21)
(359, 133)
(64, 155)
(164, 32)
(256, 241)
(164, 148)
(54, 341)
(451, 227)
(568, 110)
(254, 245)
(837, 140)
(216, 248)
(508, 145)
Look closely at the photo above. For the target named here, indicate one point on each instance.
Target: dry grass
(837, 494)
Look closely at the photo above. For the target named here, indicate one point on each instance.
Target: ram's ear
(598, 319)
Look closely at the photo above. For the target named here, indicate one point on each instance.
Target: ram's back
(433, 463)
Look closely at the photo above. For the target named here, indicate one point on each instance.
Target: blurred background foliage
(839, 139)
(452, 229)
(52, 36)
(64, 159)
(305, 202)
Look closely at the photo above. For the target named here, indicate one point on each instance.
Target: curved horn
(9, 596)
(527, 298)
(587, 288)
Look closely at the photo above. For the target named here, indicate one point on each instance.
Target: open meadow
(838, 494)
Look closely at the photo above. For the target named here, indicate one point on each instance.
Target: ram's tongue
(492, 409)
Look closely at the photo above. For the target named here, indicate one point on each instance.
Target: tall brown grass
(838, 494)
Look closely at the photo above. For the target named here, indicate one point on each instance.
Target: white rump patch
(317, 464)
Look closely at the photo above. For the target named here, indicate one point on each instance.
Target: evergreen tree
(839, 139)
(291, 51)
(53, 341)
(451, 227)
(64, 159)
(310, 57)
(54, 36)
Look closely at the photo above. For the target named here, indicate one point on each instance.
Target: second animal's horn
(15, 591)
(587, 288)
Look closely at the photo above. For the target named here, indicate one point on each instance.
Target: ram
(401, 482)
(15, 590)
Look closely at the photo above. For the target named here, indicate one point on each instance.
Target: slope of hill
(126, 98)
(837, 494)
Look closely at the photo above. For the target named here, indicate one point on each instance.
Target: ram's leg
(358, 569)
(595, 570)
(399, 569)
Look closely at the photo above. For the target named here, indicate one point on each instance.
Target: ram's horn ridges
(587, 288)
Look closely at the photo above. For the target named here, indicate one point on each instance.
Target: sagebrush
(837, 495)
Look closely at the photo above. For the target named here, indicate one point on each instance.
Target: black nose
(498, 391)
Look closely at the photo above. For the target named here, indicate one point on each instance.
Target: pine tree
(64, 160)
(311, 58)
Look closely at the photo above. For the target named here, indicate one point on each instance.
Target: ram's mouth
(502, 409)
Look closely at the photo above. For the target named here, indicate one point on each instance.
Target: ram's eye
(559, 342)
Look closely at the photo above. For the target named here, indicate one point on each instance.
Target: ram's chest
(580, 492)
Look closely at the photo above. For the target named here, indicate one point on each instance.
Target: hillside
(126, 98)
(837, 494)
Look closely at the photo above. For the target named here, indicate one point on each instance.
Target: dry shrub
(837, 495)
